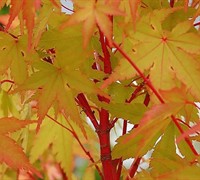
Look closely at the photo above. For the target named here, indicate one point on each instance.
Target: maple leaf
(64, 147)
(167, 140)
(2, 3)
(4, 21)
(182, 95)
(61, 140)
(132, 112)
(42, 21)
(14, 10)
(134, 10)
(12, 55)
(56, 83)
(92, 13)
(167, 164)
(28, 14)
(54, 88)
(177, 168)
(151, 126)
(11, 153)
(168, 55)
(28, 9)
(65, 43)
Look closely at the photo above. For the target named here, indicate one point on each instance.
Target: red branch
(149, 84)
(105, 125)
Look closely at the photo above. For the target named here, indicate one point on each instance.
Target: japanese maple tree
(69, 80)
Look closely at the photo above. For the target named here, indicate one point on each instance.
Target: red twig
(172, 3)
(82, 101)
(112, 123)
(196, 24)
(106, 59)
(149, 84)
(133, 169)
(135, 93)
(7, 81)
(146, 100)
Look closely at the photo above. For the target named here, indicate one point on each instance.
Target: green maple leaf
(168, 55)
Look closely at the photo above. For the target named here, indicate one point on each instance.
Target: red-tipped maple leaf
(28, 9)
(134, 10)
(11, 153)
(151, 126)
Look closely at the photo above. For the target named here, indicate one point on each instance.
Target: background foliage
(68, 80)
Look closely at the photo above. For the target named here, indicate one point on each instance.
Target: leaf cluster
(67, 80)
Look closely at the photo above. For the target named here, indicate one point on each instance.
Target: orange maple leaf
(92, 14)
(28, 9)
(11, 153)
(134, 10)
(4, 20)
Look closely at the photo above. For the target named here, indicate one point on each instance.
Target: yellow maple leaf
(170, 56)
(54, 84)
(13, 55)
